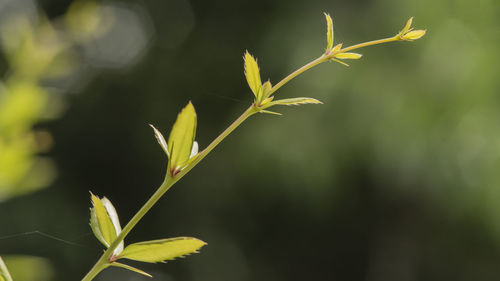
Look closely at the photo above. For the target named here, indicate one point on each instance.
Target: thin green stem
(325, 57)
(365, 44)
(107, 257)
(297, 72)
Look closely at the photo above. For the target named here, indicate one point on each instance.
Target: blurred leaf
(180, 141)
(83, 19)
(162, 250)
(128, 267)
(21, 105)
(4, 272)
(253, 75)
(29, 268)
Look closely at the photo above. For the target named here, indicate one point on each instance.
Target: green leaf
(162, 250)
(101, 223)
(270, 112)
(329, 32)
(4, 272)
(296, 101)
(180, 141)
(407, 26)
(115, 220)
(348, 56)
(253, 75)
(339, 61)
(266, 89)
(131, 268)
(337, 47)
(161, 140)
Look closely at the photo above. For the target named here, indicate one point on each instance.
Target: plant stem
(366, 44)
(325, 57)
(105, 260)
(297, 72)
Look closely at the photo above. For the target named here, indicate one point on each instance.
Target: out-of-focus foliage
(29, 268)
(40, 51)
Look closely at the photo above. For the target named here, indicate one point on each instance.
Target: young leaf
(337, 47)
(180, 141)
(101, 223)
(407, 26)
(194, 150)
(4, 272)
(115, 220)
(270, 112)
(161, 140)
(296, 101)
(253, 75)
(414, 35)
(162, 250)
(339, 61)
(131, 268)
(266, 89)
(348, 56)
(329, 32)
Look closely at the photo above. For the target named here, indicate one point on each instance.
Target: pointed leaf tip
(180, 141)
(131, 268)
(329, 32)
(161, 140)
(407, 26)
(252, 75)
(162, 250)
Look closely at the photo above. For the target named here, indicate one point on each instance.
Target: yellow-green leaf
(131, 268)
(266, 89)
(101, 223)
(253, 75)
(348, 56)
(4, 272)
(407, 27)
(161, 140)
(162, 250)
(337, 47)
(339, 61)
(329, 32)
(180, 141)
(113, 215)
(414, 35)
(270, 112)
(296, 101)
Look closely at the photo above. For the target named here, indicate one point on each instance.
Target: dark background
(395, 177)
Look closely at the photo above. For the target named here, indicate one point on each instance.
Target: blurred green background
(395, 177)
